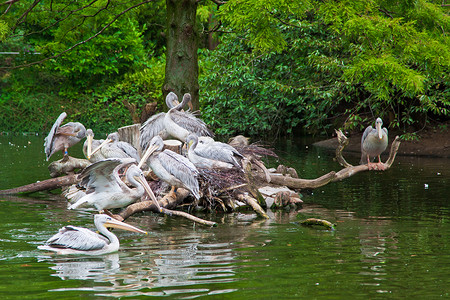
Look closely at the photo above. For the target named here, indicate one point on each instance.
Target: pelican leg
(369, 163)
(380, 165)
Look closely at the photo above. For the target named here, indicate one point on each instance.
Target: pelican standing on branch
(211, 154)
(60, 138)
(79, 240)
(171, 167)
(104, 188)
(373, 142)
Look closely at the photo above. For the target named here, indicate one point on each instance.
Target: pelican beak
(101, 145)
(379, 131)
(121, 225)
(147, 154)
(149, 191)
(89, 138)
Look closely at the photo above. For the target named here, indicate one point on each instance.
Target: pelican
(104, 188)
(212, 154)
(79, 240)
(60, 138)
(171, 167)
(373, 142)
(113, 148)
(180, 120)
(180, 128)
(91, 143)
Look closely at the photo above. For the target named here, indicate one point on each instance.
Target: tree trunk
(182, 44)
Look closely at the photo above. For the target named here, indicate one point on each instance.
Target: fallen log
(49, 184)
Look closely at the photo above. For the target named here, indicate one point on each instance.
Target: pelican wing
(129, 150)
(103, 175)
(191, 123)
(368, 130)
(176, 161)
(77, 238)
(151, 128)
(48, 142)
(180, 167)
(67, 129)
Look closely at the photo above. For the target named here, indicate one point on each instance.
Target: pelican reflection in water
(373, 142)
(60, 138)
(79, 240)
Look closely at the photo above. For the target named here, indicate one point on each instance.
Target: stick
(188, 216)
(250, 201)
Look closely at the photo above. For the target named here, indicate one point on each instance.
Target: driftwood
(350, 170)
(67, 166)
(241, 186)
(314, 221)
(49, 184)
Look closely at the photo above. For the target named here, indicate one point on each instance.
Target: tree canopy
(278, 65)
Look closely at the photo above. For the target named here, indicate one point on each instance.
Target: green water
(392, 239)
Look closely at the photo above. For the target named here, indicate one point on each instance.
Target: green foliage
(347, 62)
(96, 81)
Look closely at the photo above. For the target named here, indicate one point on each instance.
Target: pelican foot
(380, 166)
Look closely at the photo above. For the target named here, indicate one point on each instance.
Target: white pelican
(104, 188)
(171, 167)
(179, 121)
(373, 142)
(211, 154)
(60, 138)
(180, 128)
(79, 240)
(91, 143)
(113, 148)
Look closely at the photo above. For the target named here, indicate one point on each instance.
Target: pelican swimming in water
(79, 240)
(104, 188)
(211, 154)
(60, 138)
(89, 144)
(171, 167)
(112, 147)
(373, 142)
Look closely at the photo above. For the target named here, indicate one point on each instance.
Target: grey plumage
(171, 167)
(373, 142)
(180, 128)
(79, 240)
(60, 138)
(212, 154)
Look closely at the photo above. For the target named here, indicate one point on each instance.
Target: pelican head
(378, 124)
(172, 100)
(136, 173)
(156, 144)
(107, 221)
(109, 139)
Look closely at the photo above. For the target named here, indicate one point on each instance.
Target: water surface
(392, 239)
